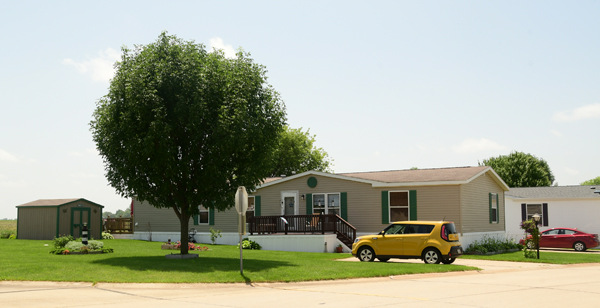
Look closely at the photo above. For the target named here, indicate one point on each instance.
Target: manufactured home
(317, 211)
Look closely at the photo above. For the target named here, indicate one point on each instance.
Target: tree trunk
(184, 221)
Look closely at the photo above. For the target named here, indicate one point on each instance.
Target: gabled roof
(54, 202)
(554, 192)
(397, 178)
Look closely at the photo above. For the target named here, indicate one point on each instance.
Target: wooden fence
(119, 225)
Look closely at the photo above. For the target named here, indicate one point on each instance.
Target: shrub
(61, 242)
(74, 245)
(6, 233)
(107, 236)
(492, 244)
(95, 245)
(248, 244)
(12, 237)
(214, 234)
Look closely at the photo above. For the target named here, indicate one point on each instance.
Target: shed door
(78, 217)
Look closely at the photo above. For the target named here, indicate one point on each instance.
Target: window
(494, 208)
(203, 217)
(533, 209)
(250, 210)
(528, 210)
(398, 205)
(326, 203)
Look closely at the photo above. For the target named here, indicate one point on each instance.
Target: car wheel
(579, 246)
(383, 259)
(432, 256)
(366, 254)
(530, 245)
(448, 261)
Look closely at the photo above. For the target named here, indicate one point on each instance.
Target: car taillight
(444, 235)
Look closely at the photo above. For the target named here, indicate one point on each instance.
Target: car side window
(418, 229)
(570, 232)
(551, 232)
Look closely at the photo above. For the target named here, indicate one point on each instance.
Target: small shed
(46, 219)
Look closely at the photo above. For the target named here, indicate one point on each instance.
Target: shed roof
(554, 192)
(54, 202)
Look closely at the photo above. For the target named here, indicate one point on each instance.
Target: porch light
(302, 197)
(536, 219)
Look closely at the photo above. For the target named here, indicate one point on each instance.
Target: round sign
(241, 200)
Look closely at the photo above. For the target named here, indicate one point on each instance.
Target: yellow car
(431, 241)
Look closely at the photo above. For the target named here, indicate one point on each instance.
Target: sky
(384, 85)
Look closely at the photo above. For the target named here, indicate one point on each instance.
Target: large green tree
(182, 127)
(296, 152)
(594, 181)
(520, 169)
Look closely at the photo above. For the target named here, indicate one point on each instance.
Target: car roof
(413, 222)
(572, 229)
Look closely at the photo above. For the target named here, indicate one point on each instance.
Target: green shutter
(211, 217)
(490, 203)
(309, 209)
(497, 209)
(196, 218)
(412, 207)
(344, 205)
(385, 208)
(256, 205)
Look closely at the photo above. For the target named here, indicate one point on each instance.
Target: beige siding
(475, 200)
(37, 223)
(165, 220)
(364, 201)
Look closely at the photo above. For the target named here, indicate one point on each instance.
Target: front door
(289, 202)
(78, 217)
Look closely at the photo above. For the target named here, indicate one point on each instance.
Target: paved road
(499, 284)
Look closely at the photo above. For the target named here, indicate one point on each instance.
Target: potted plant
(339, 249)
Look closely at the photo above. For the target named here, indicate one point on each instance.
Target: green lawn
(145, 262)
(545, 257)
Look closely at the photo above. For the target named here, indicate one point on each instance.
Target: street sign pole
(241, 205)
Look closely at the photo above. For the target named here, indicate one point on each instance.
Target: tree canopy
(594, 181)
(296, 152)
(520, 169)
(182, 127)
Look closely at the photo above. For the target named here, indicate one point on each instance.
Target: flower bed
(177, 246)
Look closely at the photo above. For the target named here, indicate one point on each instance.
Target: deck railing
(303, 224)
(121, 225)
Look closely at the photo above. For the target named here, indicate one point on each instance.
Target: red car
(564, 238)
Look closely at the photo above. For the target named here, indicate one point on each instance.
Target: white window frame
(202, 209)
(407, 207)
(326, 197)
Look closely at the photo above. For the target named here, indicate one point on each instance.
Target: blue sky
(385, 85)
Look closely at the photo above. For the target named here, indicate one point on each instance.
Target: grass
(144, 262)
(8, 227)
(545, 257)
(8, 224)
